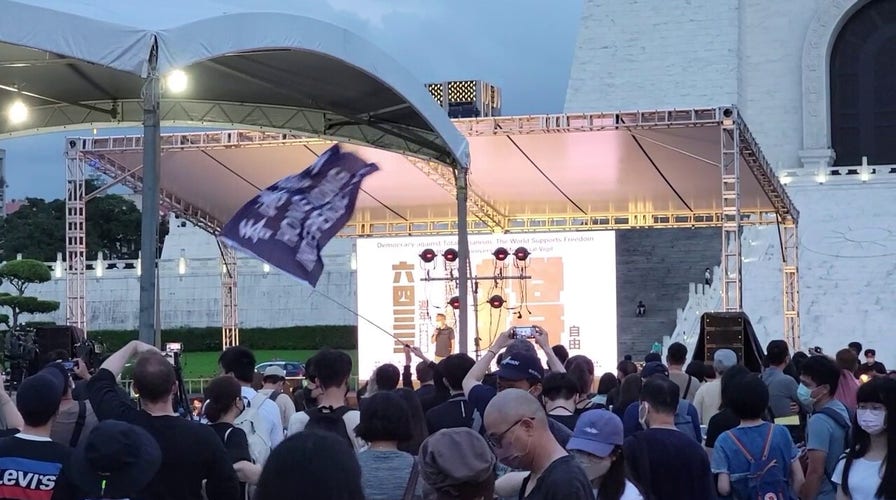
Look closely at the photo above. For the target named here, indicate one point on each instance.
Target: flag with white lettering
(289, 223)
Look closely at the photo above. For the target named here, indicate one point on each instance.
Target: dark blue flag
(289, 223)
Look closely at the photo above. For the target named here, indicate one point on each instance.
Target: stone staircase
(656, 266)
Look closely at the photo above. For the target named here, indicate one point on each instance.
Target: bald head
(511, 405)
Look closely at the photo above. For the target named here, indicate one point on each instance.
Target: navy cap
(520, 366)
(116, 461)
(654, 368)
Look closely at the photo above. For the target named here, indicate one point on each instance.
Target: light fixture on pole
(450, 255)
(428, 255)
(501, 254)
(454, 302)
(57, 269)
(496, 301)
(99, 266)
(265, 267)
(139, 262)
(521, 253)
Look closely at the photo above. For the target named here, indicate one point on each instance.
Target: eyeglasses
(495, 440)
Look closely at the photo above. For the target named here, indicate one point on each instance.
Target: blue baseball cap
(520, 366)
(654, 368)
(597, 432)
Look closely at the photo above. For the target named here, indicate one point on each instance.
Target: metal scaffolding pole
(149, 230)
(790, 251)
(463, 260)
(230, 331)
(731, 217)
(75, 237)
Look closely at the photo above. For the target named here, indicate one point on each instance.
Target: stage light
(450, 255)
(496, 301)
(521, 253)
(176, 81)
(265, 267)
(100, 266)
(182, 263)
(57, 269)
(428, 255)
(454, 302)
(17, 112)
(500, 254)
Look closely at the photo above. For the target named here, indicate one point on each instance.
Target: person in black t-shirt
(871, 364)
(224, 402)
(443, 338)
(457, 411)
(665, 462)
(191, 452)
(517, 429)
(30, 462)
(560, 393)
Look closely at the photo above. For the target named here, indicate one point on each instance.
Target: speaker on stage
(56, 338)
(732, 331)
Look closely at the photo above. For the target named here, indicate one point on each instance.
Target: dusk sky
(525, 47)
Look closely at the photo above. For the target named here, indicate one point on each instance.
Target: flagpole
(463, 257)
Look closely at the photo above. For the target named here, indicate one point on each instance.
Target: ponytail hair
(220, 395)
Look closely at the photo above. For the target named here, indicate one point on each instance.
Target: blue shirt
(728, 458)
(631, 425)
(823, 434)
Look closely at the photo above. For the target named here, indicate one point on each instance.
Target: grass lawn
(205, 364)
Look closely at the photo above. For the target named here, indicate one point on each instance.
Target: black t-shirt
(237, 445)
(564, 479)
(720, 423)
(30, 468)
(668, 464)
(569, 421)
(456, 412)
(191, 452)
(8, 432)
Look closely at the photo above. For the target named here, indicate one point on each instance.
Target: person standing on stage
(443, 338)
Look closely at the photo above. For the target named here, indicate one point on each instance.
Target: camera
(523, 332)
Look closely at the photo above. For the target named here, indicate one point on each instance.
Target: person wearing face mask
(828, 428)
(597, 445)
(664, 461)
(223, 403)
(866, 473)
(518, 432)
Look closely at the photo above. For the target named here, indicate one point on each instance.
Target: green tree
(36, 230)
(20, 274)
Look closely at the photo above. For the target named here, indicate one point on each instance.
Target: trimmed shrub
(209, 339)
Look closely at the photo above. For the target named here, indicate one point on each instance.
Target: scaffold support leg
(230, 332)
(790, 251)
(731, 217)
(75, 237)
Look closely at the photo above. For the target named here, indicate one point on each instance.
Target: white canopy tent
(74, 65)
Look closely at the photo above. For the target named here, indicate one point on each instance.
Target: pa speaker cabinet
(54, 338)
(723, 332)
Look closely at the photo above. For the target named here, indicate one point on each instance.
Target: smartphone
(70, 365)
(524, 332)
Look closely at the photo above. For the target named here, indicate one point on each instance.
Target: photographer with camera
(191, 452)
(75, 419)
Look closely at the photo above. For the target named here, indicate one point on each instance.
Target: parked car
(292, 368)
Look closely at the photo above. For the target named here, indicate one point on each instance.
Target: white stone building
(815, 81)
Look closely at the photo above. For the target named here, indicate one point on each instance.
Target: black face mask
(309, 401)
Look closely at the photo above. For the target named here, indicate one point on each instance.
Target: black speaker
(56, 338)
(729, 331)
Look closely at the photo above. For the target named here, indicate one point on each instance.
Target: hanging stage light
(496, 301)
(521, 253)
(428, 255)
(450, 255)
(454, 302)
(500, 254)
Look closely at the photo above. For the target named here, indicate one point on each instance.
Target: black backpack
(328, 419)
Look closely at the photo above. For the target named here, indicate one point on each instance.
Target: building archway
(863, 104)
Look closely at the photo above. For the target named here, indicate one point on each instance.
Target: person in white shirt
(274, 381)
(866, 472)
(709, 395)
(239, 362)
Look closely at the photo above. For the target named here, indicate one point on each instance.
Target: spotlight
(17, 112)
(500, 254)
(176, 81)
(454, 302)
(521, 253)
(450, 255)
(496, 301)
(428, 255)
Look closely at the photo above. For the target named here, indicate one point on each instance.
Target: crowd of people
(501, 426)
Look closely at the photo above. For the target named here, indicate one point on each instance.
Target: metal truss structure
(738, 148)
(75, 237)
(230, 331)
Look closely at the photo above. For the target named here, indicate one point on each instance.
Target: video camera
(28, 349)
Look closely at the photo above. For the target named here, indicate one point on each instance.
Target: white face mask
(872, 421)
(595, 467)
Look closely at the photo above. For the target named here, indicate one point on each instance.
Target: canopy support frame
(230, 332)
(790, 254)
(732, 264)
(75, 236)
(149, 327)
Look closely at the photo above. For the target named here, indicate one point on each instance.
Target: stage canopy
(76, 65)
(551, 172)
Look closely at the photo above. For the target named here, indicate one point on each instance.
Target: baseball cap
(116, 461)
(654, 368)
(39, 396)
(724, 359)
(274, 371)
(520, 366)
(597, 432)
(453, 457)
(653, 357)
